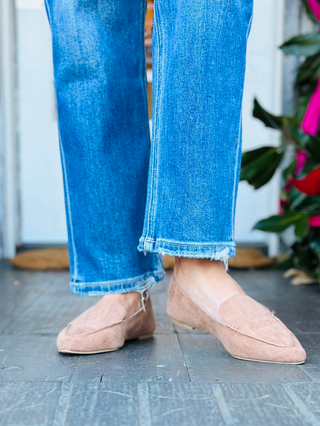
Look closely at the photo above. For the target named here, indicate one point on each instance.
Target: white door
(42, 215)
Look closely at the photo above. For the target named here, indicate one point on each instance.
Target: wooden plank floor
(177, 378)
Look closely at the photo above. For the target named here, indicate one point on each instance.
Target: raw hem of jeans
(214, 251)
(138, 284)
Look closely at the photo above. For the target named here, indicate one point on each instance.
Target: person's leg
(99, 69)
(199, 67)
(199, 64)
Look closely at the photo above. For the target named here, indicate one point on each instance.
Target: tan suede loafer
(105, 327)
(249, 331)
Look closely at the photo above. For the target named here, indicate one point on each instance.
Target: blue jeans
(128, 200)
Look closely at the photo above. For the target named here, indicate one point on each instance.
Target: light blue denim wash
(177, 194)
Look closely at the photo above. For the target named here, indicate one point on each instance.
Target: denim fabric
(179, 198)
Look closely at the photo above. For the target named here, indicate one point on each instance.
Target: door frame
(9, 214)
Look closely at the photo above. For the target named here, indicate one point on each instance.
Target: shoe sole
(188, 327)
(181, 324)
(144, 336)
(269, 362)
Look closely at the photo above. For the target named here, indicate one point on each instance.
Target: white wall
(263, 81)
(41, 196)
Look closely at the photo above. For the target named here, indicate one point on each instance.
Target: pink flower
(282, 203)
(280, 207)
(315, 7)
(301, 156)
(288, 185)
(314, 221)
(311, 120)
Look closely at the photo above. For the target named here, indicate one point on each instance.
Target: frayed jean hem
(138, 284)
(214, 251)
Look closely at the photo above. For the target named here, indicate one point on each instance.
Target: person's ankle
(187, 269)
(206, 282)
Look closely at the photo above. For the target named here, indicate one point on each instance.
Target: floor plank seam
(184, 359)
(61, 411)
(223, 406)
(143, 404)
(310, 417)
(308, 375)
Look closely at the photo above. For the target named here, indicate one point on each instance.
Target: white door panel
(41, 188)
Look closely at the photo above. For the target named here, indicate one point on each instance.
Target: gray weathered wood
(155, 359)
(173, 404)
(95, 405)
(28, 404)
(208, 361)
(33, 358)
(306, 397)
(263, 405)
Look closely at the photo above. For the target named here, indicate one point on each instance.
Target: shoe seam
(226, 325)
(255, 337)
(195, 303)
(108, 326)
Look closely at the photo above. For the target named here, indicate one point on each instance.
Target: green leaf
(278, 223)
(261, 168)
(315, 246)
(249, 156)
(268, 119)
(310, 205)
(297, 199)
(305, 44)
(267, 173)
(308, 71)
(289, 171)
(313, 146)
(302, 227)
(301, 107)
(297, 135)
(305, 259)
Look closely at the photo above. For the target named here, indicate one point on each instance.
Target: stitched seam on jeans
(48, 12)
(144, 83)
(159, 260)
(194, 254)
(250, 21)
(156, 273)
(68, 209)
(67, 196)
(172, 242)
(143, 65)
(155, 131)
(235, 177)
(249, 27)
(138, 286)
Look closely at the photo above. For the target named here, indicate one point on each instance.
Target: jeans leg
(99, 69)
(199, 64)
